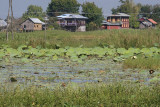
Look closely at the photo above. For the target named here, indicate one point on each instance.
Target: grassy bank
(91, 95)
(143, 63)
(118, 38)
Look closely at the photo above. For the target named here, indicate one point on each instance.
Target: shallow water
(53, 72)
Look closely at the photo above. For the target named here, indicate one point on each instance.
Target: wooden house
(147, 23)
(72, 22)
(117, 21)
(32, 24)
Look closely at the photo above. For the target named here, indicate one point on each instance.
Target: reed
(119, 38)
(143, 63)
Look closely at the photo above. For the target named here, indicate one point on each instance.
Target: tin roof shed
(3, 23)
(36, 20)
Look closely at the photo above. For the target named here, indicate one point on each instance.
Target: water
(91, 71)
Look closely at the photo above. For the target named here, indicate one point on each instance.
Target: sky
(20, 6)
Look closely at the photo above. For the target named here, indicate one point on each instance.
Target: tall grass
(91, 95)
(143, 63)
(119, 38)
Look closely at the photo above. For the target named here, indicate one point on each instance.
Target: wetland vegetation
(99, 68)
(118, 38)
(90, 95)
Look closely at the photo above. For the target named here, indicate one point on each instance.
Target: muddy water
(52, 72)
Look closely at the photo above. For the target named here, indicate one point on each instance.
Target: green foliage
(33, 11)
(63, 6)
(127, 6)
(151, 11)
(119, 38)
(156, 13)
(80, 54)
(93, 13)
(90, 95)
(146, 10)
(56, 26)
(133, 21)
(143, 63)
(92, 26)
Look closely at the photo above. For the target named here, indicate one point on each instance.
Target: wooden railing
(71, 24)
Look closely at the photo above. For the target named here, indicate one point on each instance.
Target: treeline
(93, 12)
(58, 7)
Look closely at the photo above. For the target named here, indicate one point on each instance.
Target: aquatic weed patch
(27, 53)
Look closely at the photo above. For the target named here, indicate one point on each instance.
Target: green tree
(57, 7)
(150, 11)
(129, 7)
(156, 13)
(33, 11)
(146, 11)
(94, 14)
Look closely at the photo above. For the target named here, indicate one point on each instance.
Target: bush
(92, 26)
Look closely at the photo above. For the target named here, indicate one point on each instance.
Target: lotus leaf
(55, 57)
(24, 60)
(121, 51)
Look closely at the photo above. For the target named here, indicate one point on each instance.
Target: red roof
(141, 19)
(152, 21)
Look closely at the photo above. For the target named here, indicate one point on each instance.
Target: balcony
(71, 24)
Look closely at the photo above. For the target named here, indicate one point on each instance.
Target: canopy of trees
(57, 7)
(94, 14)
(151, 12)
(33, 11)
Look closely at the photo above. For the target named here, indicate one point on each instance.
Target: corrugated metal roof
(2, 23)
(152, 21)
(120, 14)
(77, 16)
(36, 20)
(147, 24)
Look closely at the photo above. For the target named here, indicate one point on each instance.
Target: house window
(24, 26)
(37, 25)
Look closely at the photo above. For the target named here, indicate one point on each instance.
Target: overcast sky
(20, 6)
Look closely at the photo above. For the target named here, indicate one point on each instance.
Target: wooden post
(8, 20)
(45, 31)
(12, 21)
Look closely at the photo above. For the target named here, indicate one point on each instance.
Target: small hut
(3, 24)
(32, 24)
(147, 23)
